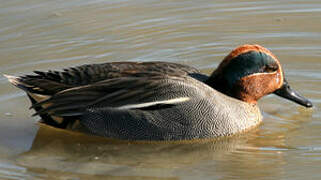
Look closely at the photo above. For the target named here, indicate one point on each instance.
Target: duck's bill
(286, 92)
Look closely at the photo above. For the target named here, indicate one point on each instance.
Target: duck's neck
(218, 83)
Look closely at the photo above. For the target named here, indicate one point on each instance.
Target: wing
(148, 92)
(51, 82)
(74, 89)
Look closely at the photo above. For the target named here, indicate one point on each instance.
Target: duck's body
(153, 100)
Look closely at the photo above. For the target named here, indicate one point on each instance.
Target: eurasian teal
(159, 100)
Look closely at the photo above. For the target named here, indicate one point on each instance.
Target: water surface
(43, 34)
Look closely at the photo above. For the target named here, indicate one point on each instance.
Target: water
(42, 35)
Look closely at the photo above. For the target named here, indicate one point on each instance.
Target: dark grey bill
(286, 92)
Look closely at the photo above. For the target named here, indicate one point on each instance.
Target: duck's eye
(270, 68)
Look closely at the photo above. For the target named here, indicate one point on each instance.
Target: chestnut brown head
(251, 71)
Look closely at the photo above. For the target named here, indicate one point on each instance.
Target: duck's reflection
(75, 153)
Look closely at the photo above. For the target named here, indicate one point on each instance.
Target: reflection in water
(60, 150)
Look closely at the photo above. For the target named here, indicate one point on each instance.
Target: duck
(159, 101)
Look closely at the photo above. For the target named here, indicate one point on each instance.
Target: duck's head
(251, 71)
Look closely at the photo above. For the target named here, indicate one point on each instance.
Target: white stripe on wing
(148, 104)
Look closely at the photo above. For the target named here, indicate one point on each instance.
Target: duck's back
(92, 73)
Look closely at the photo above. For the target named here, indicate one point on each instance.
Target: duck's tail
(36, 92)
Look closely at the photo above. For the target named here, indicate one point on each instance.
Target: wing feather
(130, 90)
